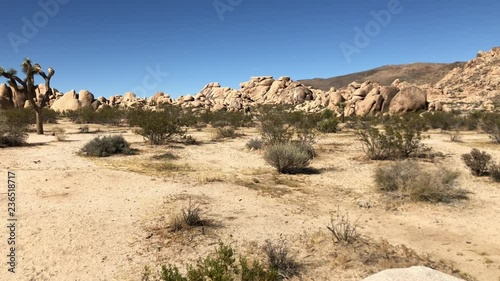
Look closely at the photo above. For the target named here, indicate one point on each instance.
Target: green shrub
(490, 123)
(109, 115)
(477, 162)
(409, 179)
(328, 125)
(84, 115)
(158, 127)
(107, 146)
(442, 120)
(399, 140)
(50, 116)
(287, 158)
(13, 129)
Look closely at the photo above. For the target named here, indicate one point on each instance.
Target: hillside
(416, 73)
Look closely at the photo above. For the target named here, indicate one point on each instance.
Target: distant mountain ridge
(415, 73)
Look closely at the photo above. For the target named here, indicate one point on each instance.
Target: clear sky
(178, 46)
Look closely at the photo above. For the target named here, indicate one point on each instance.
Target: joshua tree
(28, 87)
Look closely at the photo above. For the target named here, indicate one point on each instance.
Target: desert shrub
(157, 127)
(191, 215)
(442, 120)
(255, 143)
(477, 161)
(490, 123)
(399, 140)
(279, 259)
(287, 158)
(84, 115)
(328, 125)
(455, 135)
(50, 116)
(109, 115)
(409, 179)
(106, 146)
(60, 134)
(225, 132)
(343, 230)
(84, 129)
(494, 171)
(13, 131)
(305, 146)
(221, 266)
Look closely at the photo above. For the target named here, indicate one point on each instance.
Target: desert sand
(105, 219)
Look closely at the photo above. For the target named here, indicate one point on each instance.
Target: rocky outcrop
(68, 101)
(6, 101)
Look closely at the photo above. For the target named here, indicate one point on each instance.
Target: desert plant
(84, 129)
(60, 134)
(191, 215)
(157, 127)
(287, 158)
(224, 132)
(106, 146)
(279, 259)
(477, 161)
(28, 87)
(255, 143)
(328, 125)
(409, 179)
(190, 140)
(13, 131)
(490, 123)
(441, 120)
(399, 140)
(221, 265)
(455, 135)
(494, 171)
(343, 230)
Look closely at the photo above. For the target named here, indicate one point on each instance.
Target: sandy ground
(87, 219)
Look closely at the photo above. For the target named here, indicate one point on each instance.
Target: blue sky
(110, 47)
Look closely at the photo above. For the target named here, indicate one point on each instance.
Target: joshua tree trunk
(39, 121)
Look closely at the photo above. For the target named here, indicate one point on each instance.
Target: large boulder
(415, 273)
(68, 101)
(18, 97)
(6, 101)
(129, 99)
(409, 99)
(86, 98)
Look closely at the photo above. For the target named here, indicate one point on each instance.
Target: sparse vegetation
(13, 130)
(287, 158)
(343, 230)
(399, 140)
(60, 134)
(107, 146)
(158, 127)
(490, 123)
(409, 180)
(495, 171)
(279, 259)
(255, 143)
(477, 161)
(224, 132)
(220, 266)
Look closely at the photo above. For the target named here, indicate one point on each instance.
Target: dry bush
(495, 172)
(60, 134)
(14, 126)
(455, 136)
(477, 162)
(279, 259)
(408, 179)
(224, 132)
(343, 230)
(490, 123)
(255, 143)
